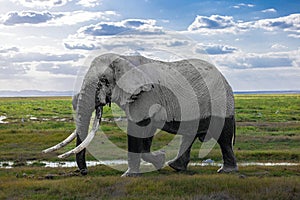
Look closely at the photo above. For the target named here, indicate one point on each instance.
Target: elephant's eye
(102, 77)
(103, 80)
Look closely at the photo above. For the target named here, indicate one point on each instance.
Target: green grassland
(268, 130)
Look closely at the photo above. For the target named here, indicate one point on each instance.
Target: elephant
(189, 97)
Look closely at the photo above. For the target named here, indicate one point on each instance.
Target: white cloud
(40, 3)
(212, 22)
(242, 60)
(264, 79)
(214, 49)
(295, 35)
(287, 23)
(89, 3)
(9, 70)
(21, 57)
(38, 81)
(8, 49)
(15, 61)
(27, 17)
(270, 10)
(177, 43)
(165, 21)
(261, 71)
(27, 69)
(46, 18)
(296, 59)
(243, 5)
(164, 45)
(278, 46)
(95, 36)
(81, 45)
(57, 68)
(129, 26)
(71, 18)
(216, 24)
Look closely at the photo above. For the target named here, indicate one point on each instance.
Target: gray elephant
(187, 97)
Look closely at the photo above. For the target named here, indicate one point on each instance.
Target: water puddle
(247, 164)
(3, 118)
(11, 164)
(55, 118)
(116, 119)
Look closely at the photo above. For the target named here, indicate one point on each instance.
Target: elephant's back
(214, 94)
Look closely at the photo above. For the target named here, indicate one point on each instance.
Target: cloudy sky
(45, 43)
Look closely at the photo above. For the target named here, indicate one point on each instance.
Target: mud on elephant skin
(188, 97)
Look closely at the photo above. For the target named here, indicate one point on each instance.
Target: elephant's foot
(81, 171)
(81, 163)
(156, 158)
(131, 174)
(228, 169)
(160, 161)
(84, 171)
(134, 160)
(181, 163)
(178, 165)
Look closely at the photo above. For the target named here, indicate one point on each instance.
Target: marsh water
(12, 164)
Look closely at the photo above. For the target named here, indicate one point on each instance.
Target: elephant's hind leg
(226, 144)
(182, 159)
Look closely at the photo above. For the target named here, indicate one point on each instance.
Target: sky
(48, 44)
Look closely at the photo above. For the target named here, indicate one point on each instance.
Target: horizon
(39, 93)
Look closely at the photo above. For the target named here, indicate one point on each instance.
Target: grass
(105, 183)
(268, 130)
(268, 108)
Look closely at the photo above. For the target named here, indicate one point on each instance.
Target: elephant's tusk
(62, 144)
(86, 142)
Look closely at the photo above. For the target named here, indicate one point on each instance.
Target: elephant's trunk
(93, 96)
(81, 145)
(85, 107)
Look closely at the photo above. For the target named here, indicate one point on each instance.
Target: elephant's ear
(75, 101)
(130, 81)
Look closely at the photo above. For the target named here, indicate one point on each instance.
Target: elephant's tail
(234, 131)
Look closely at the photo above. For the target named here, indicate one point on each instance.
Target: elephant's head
(110, 78)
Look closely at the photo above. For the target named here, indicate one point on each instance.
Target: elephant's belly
(194, 127)
(198, 128)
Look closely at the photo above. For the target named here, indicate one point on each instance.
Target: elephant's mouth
(103, 94)
(103, 101)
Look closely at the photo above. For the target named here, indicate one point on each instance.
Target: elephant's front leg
(139, 143)
(80, 159)
(136, 146)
